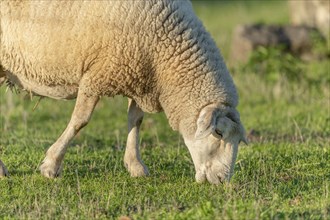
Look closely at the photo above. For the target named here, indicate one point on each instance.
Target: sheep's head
(215, 144)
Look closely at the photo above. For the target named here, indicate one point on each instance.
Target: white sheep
(155, 52)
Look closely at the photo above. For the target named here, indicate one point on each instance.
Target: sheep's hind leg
(3, 170)
(51, 165)
(132, 158)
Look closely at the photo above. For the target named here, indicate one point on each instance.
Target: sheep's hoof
(50, 169)
(137, 169)
(3, 170)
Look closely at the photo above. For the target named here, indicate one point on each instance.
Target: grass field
(284, 173)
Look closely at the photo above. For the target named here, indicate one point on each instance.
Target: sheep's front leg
(132, 158)
(3, 170)
(51, 165)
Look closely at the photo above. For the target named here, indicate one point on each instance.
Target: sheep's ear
(206, 122)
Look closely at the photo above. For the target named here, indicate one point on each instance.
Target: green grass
(283, 174)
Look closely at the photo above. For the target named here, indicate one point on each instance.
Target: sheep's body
(155, 52)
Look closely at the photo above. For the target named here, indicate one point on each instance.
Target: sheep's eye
(218, 133)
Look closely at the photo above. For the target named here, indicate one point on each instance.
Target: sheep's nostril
(222, 178)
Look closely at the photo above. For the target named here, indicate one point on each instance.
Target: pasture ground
(283, 173)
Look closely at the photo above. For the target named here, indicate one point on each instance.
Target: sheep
(157, 53)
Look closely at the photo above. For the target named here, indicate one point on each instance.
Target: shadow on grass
(310, 214)
(21, 173)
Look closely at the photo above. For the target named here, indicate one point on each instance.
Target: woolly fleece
(155, 52)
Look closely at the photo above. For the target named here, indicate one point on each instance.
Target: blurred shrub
(273, 64)
(320, 45)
